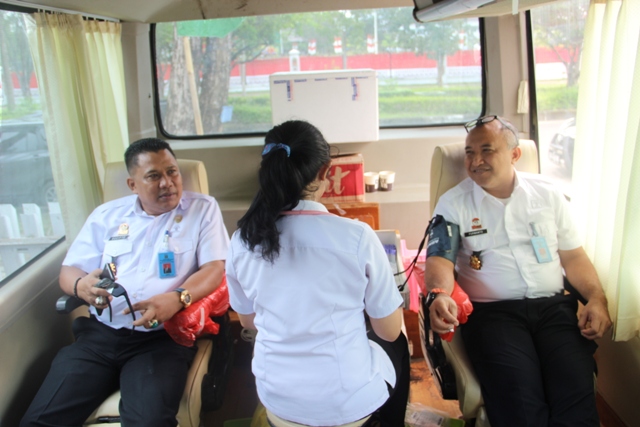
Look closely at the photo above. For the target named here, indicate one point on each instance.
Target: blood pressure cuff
(444, 239)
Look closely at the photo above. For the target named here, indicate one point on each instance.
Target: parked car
(561, 146)
(25, 168)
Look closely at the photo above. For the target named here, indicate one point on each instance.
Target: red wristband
(438, 291)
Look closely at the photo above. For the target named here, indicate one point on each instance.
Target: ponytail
(293, 155)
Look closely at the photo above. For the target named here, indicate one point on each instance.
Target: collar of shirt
(136, 208)
(310, 205)
(479, 193)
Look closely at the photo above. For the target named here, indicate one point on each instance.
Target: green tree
(213, 59)
(560, 27)
(16, 54)
(5, 62)
(436, 40)
(164, 34)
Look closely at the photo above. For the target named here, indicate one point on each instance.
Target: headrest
(447, 167)
(194, 178)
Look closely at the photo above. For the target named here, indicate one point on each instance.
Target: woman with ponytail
(304, 279)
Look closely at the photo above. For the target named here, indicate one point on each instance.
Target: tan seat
(194, 178)
(447, 170)
(279, 422)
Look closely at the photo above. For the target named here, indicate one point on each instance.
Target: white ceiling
(178, 10)
(183, 10)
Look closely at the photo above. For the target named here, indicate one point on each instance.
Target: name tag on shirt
(475, 232)
(541, 249)
(119, 237)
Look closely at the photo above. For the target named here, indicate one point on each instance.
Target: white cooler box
(343, 104)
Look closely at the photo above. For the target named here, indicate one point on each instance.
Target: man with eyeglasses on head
(533, 357)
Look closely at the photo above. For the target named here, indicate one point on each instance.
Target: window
(30, 219)
(558, 31)
(212, 77)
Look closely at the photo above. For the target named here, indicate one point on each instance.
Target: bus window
(428, 74)
(30, 218)
(558, 31)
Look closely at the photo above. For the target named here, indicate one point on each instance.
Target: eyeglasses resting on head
(488, 119)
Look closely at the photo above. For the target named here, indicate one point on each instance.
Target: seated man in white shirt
(168, 249)
(532, 355)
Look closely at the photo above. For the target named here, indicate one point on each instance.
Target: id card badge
(540, 246)
(166, 265)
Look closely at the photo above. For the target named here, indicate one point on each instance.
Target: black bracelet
(75, 288)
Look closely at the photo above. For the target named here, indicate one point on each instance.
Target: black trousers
(391, 413)
(149, 368)
(534, 367)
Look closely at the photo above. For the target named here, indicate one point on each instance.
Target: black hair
(144, 145)
(284, 179)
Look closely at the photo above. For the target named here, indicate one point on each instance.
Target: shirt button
(143, 269)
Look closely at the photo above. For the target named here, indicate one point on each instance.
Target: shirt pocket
(479, 242)
(548, 230)
(180, 246)
(115, 248)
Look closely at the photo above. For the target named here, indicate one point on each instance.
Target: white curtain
(606, 171)
(81, 80)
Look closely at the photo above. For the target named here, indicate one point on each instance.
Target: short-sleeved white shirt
(120, 231)
(502, 233)
(312, 360)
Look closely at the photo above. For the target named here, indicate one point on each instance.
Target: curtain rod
(57, 9)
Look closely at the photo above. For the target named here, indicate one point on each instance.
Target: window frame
(230, 136)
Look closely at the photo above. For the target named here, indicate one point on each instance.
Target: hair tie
(273, 146)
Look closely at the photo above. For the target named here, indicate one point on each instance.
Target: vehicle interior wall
(31, 332)
(27, 301)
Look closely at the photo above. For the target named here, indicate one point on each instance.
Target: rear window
(212, 77)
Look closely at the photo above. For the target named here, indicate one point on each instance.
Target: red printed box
(346, 179)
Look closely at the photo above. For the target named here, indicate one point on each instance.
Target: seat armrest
(573, 291)
(66, 304)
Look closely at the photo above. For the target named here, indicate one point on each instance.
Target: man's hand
(594, 319)
(160, 308)
(86, 290)
(443, 314)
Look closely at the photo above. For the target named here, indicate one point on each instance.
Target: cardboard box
(343, 104)
(346, 178)
(365, 212)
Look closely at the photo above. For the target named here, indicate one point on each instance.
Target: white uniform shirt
(502, 232)
(312, 360)
(197, 236)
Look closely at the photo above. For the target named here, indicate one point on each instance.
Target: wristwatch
(185, 297)
(433, 294)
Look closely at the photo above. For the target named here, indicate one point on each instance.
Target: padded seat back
(447, 167)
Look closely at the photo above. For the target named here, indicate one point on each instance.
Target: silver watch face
(185, 297)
